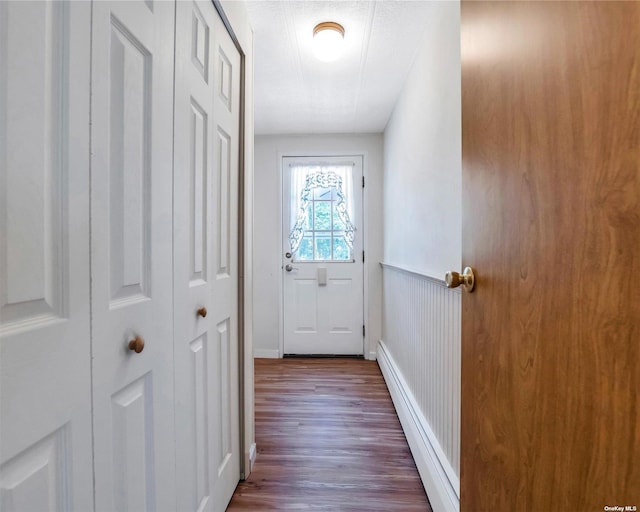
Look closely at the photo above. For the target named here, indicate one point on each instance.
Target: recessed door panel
(199, 197)
(341, 314)
(223, 374)
(37, 478)
(200, 420)
(45, 379)
(224, 197)
(306, 305)
(33, 139)
(199, 42)
(132, 417)
(130, 124)
(225, 79)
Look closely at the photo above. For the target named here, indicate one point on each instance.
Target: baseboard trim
(264, 353)
(434, 471)
(373, 355)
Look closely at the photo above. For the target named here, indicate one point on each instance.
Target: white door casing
(206, 162)
(131, 254)
(321, 318)
(45, 387)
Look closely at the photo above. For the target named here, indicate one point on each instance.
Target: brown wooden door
(551, 224)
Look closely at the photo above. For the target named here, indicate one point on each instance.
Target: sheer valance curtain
(304, 180)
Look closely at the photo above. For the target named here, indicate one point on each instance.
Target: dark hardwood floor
(328, 439)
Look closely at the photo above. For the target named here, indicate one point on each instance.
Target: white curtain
(304, 179)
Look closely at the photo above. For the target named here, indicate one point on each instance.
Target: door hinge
(362, 256)
(363, 331)
(363, 182)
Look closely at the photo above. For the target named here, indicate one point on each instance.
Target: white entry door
(207, 114)
(131, 256)
(45, 380)
(322, 256)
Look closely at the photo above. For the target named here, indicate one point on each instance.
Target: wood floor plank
(328, 439)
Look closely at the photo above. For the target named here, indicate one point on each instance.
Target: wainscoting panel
(420, 357)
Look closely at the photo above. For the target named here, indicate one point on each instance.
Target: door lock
(287, 255)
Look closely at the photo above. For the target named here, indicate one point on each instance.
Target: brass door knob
(136, 344)
(202, 311)
(466, 279)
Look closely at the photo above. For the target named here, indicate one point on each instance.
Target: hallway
(328, 439)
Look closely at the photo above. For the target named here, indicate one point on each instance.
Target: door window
(321, 213)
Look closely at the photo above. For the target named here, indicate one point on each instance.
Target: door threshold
(322, 356)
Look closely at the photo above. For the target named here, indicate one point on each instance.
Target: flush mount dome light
(328, 40)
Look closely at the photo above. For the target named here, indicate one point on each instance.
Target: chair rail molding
(418, 274)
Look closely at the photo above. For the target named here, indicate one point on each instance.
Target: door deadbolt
(287, 255)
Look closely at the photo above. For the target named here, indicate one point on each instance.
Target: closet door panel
(45, 397)
(193, 245)
(205, 258)
(131, 192)
(224, 290)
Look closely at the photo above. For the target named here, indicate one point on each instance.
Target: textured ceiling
(295, 93)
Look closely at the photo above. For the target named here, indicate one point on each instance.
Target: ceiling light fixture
(328, 41)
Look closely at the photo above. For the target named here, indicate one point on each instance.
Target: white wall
(267, 228)
(419, 352)
(423, 155)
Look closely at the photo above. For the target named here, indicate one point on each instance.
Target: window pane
(323, 229)
(338, 225)
(323, 246)
(305, 251)
(308, 218)
(322, 193)
(322, 215)
(340, 249)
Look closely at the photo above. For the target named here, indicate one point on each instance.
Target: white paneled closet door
(194, 337)
(206, 170)
(45, 386)
(224, 292)
(131, 232)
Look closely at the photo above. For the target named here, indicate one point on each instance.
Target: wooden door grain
(551, 216)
